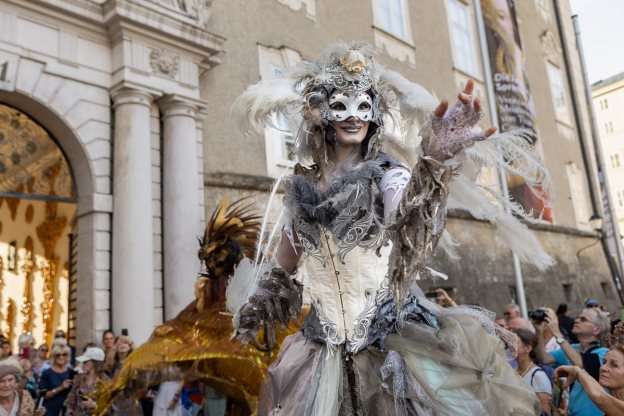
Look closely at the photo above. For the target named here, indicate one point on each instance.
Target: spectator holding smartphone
(589, 327)
(79, 401)
(56, 380)
(14, 402)
(611, 378)
(26, 344)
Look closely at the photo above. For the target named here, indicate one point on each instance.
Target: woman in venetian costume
(363, 213)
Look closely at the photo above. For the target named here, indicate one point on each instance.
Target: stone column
(133, 254)
(181, 216)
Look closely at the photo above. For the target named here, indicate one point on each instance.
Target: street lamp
(596, 222)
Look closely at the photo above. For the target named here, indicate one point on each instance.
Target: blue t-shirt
(580, 404)
(50, 379)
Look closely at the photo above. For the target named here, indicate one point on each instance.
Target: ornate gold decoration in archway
(27, 268)
(48, 233)
(10, 318)
(30, 161)
(48, 272)
(30, 213)
(51, 229)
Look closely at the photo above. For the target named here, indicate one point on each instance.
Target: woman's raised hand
(454, 128)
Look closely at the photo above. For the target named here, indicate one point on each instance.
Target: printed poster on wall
(511, 90)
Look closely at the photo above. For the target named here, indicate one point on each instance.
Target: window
(619, 198)
(606, 103)
(391, 17)
(285, 138)
(462, 37)
(278, 138)
(577, 191)
(606, 290)
(513, 295)
(570, 293)
(616, 160)
(558, 93)
(601, 105)
(609, 127)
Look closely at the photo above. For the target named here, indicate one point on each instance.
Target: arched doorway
(38, 204)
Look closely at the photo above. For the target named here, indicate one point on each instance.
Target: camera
(538, 315)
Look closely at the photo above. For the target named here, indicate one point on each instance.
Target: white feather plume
(512, 152)
(258, 106)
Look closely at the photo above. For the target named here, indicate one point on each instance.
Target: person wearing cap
(79, 401)
(591, 304)
(12, 401)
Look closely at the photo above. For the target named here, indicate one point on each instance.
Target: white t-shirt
(540, 384)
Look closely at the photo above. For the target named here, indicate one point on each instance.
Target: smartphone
(83, 397)
(124, 332)
(557, 391)
(432, 295)
(72, 374)
(24, 353)
(622, 313)
(41, 397)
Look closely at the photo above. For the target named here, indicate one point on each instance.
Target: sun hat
(92, 354)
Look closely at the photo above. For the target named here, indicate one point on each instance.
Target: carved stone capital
(172, 106)
(131, 96)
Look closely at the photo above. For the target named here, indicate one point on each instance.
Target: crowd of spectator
(33, 383)
(585, 352)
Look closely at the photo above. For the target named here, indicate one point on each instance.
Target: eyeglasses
(63, 354)
(43, 349)
(507, 313)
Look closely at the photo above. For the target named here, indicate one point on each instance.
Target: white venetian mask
(361, 106)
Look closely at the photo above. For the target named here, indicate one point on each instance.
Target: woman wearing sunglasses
(56, 380)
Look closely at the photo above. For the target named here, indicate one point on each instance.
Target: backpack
(544, 369)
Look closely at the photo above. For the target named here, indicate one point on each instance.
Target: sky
(602, 34)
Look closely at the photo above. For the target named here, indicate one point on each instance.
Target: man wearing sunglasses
(589, 327)
(512, 311)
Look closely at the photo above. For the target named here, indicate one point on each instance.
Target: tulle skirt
(459, 369)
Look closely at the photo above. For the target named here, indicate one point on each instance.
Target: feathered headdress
(301, 95)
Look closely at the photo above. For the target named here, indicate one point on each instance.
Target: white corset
(345, 294)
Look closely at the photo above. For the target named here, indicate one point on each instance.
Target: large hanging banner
(511, 90)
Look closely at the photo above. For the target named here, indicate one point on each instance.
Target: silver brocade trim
(309, 238)
(362, 323)
(383, 292)
(329, 328)
(364, 320)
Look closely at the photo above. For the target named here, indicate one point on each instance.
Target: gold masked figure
(196, 343)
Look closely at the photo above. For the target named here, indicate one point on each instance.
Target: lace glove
(276, 301)
(454, 131)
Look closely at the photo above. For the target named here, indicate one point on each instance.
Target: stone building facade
(608, 98)
(136, 94)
